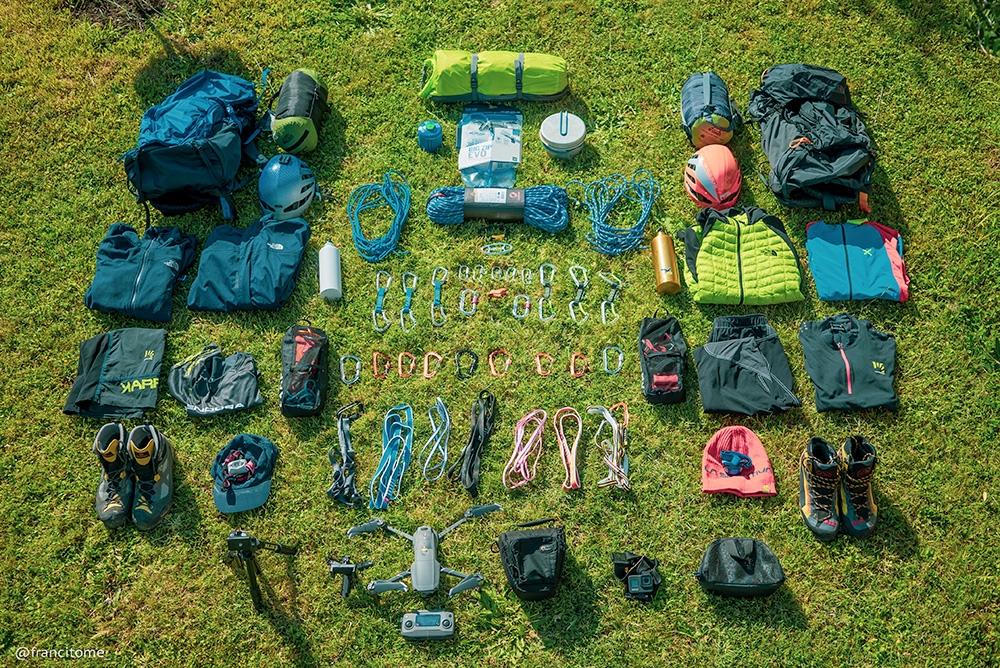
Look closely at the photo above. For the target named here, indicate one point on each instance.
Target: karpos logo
(148, 357)
(879, 368)
(140, 384)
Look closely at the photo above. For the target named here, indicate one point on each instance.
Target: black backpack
(191, 145)
(305, 370)
(533, 559)
(662, 359)
(818, 147)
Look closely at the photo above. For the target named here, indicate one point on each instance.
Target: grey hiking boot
(858, 511)
(819, 480)
(153, 468)
(114, 492)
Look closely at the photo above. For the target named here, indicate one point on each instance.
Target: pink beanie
(749, 471)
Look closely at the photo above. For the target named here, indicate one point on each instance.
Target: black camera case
(533, 559)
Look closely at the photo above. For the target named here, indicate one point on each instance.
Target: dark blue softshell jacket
(136, 276)
(251, 269)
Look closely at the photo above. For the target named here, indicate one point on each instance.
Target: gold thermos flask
(668, 281)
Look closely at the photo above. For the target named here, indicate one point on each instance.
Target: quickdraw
(573, 370)
(467, 293)
(615, 455)
(438, 316)
(397, 447)
(493, 364)
(409, 286)
(521, 313)
(518, 462)
(569, 454)
(436, 447)
(608, 305)
(428, 374)
(342, 488)
(546, 274)
(399, 364)
(458, 363)
(497, 248)
(621, 359)
(579, 276)
(379, 310)
(381, 370)
(538, 363)
(357, 369)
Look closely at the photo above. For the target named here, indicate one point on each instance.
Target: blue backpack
(191, 145)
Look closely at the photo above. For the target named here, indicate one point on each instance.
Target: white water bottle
(329, 272)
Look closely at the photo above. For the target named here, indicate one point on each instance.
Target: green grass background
(922, 591)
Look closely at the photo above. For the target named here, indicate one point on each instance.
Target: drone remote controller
(428, 625)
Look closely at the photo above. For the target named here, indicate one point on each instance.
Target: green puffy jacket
(741, 256)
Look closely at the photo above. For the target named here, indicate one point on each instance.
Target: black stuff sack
(740, 567)
(662, 359)
(533, 559)
(305, 370)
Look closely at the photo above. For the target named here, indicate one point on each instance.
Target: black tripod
(243, 547)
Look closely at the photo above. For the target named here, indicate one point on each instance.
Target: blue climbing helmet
(286, 187)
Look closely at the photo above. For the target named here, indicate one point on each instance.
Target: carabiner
(428, 374)
(399, 364)
(438, 315)
(527, 275)
(478, 273)
(496, 273)
(621, 359)
(468, 292)
(384, 367)
(378, 311)
(458, 363)
(522, 313)
(510, 274)
(409, 286)
(357, 369)
(538, 363)
(573, 371)
(497, 248)
(463, 272)
(493, 364)
(608, 305)
(623, 423)
(581, 293)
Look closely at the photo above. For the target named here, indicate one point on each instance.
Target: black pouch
(740, 567)
(533, 559)
(304, 370)
(662, 358)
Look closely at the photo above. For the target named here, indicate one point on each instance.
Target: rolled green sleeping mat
(461, 76)
(298, 117)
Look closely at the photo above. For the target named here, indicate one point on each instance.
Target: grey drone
(425, 571)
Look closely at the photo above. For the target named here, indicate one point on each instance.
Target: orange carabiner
(538, 363)
(427, 367)
(625, 417)
(493, 364)
(376, 366)
(573, 371)
(399, 364)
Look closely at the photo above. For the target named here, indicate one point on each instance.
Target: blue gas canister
(429, 136)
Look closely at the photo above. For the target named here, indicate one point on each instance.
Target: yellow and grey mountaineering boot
(153, 468)
(114, 492)
(819, 481)
(858, 511)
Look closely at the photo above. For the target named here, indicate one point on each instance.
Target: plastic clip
(579, 276)
(378, 311)
(621, 359)
(522, 313)
(438, 315)
(409, 286)
(380, 370)
(473, 297)
(493, 364)
(538, 363)
(357, 369)
(428, 374)
(458, 363)
(575, 372)
(608, 305)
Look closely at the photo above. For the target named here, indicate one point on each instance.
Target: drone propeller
(479, 511)
(470, 582)
(382, 586)
(373, 524)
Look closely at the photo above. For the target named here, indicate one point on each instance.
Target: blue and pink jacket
(857, 260)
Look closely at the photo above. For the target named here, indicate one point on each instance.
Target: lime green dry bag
(460, 76)
(299, 114)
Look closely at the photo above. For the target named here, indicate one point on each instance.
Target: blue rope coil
(546, 208)
(602, 195)
(394, 192)
(397, 445)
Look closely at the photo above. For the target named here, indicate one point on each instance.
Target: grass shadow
(571, 617)
(779, 610)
